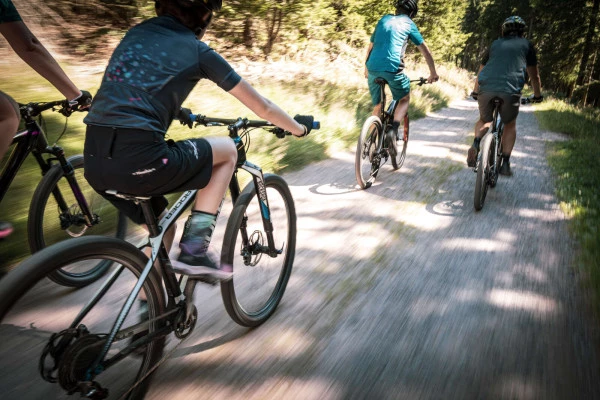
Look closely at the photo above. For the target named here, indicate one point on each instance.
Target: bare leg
(509, 137)
(9, 123)
(402, 108)
(481, 128)
(224, 152)
(377, 110)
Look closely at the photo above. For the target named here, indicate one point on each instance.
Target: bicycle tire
(250, 301)
(44, 225)
(32, 309)
(366, 169)
(483, 171)
(497, 157)
(399, 157)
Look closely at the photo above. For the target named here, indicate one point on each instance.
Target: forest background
(308, 55)
(456, 31)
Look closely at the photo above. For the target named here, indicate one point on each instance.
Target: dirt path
(403, 291)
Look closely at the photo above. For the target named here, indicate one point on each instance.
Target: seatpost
(150, 218)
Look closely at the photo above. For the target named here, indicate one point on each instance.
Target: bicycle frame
(33, 140)
(177, 299)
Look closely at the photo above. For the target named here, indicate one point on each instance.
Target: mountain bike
(487, 166)
(376, 142)
(107, 335)
(63, 204)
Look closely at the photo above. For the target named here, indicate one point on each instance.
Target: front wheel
(399, 147)
(50, 336)
(259, 278)
(367, 159)
(55, 214)
(484, 170)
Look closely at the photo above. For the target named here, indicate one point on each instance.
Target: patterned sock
(197, 233)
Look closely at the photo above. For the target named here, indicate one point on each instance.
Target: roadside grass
(576, 163)
(341, 105)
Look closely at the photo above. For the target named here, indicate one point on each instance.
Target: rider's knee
(9, 114)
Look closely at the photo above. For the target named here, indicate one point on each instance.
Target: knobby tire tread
(231, 245)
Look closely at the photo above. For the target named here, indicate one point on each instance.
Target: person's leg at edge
(508, 142)
(9, 123)
(194, 259)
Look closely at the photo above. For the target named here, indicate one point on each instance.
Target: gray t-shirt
(151, 73)
(505, 65)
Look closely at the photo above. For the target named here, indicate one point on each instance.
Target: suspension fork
(263, 202)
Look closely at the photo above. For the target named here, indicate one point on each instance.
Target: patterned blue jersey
(151, 73)
(390, 39)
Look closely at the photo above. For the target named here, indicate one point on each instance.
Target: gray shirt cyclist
(505, 65)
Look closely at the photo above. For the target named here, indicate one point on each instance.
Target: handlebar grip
(316, 125)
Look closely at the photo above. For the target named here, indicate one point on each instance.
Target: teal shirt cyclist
(385, 58)
(390, 40)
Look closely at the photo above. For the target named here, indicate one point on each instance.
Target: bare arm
(29, 48)
(476, 87)
(265, 108)
(367, 58)
(534, 76)
(433, 76)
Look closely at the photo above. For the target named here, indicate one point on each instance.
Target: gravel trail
(403, 291)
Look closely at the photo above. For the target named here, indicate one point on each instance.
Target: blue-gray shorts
(399, 85)
(143, 163)
(509, 108)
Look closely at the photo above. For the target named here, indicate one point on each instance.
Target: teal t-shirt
(8, 12)
(390, 39)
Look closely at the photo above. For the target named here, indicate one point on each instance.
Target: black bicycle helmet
(410, 6)
(513, 24)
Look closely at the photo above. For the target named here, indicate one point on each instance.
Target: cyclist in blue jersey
(149, 75)
(502, 75)
(385, 58)
(30, 50)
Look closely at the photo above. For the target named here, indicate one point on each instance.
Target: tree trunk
(274, 25)
(247, 35)
(589, 42)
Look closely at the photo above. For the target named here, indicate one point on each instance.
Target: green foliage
(575, 164)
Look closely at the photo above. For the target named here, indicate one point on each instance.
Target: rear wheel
(399, 147)
(46, 349)
(367, 160)
(55, 215)
(259, 279)
(484, 168)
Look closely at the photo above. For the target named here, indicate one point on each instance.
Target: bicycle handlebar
(243, 123)
(34, 109)
(420, 82)
(532, 99)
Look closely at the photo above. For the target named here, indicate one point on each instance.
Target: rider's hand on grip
(81, 102)
(184, 117)
(306, 121)
(474, 95)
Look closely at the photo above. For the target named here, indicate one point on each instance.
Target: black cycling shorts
(509, 108)
(143, 163)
